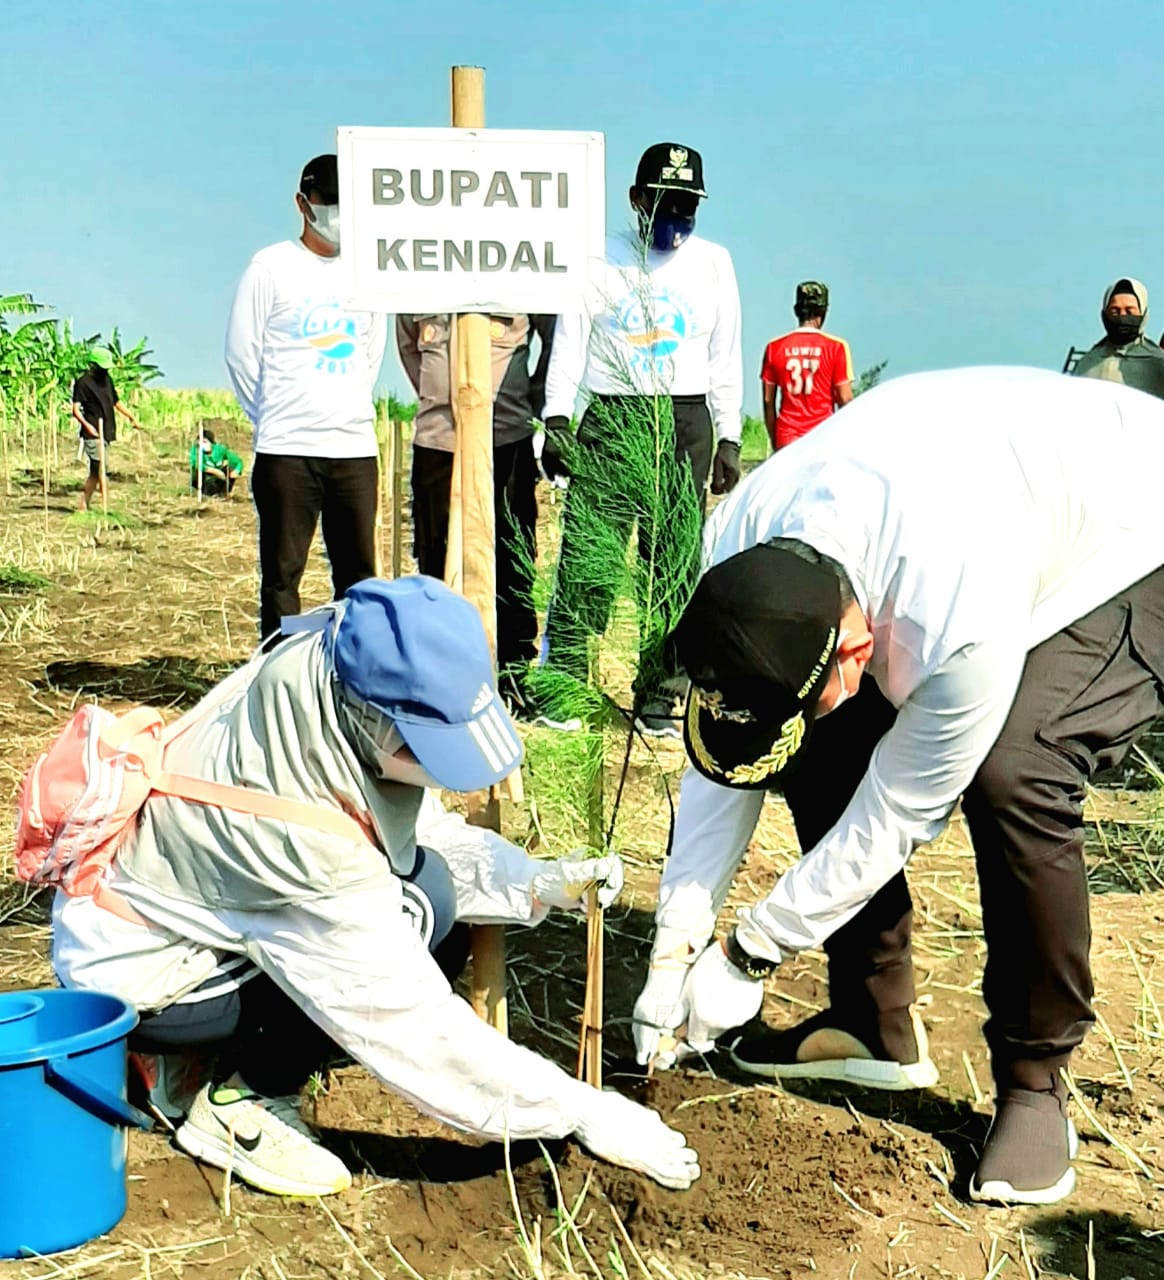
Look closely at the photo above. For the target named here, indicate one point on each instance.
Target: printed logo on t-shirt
(653, 328)
(331, 332)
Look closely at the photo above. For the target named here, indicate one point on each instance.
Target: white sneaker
(272, 1147)
(660, 719)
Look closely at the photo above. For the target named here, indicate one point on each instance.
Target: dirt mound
(784, 1181)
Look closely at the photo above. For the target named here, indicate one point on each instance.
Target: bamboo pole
(397, 449)
(383, 452)
(102, 481)
(470, 565)
(590, 1039)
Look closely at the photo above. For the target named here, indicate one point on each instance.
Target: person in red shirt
(812, 370)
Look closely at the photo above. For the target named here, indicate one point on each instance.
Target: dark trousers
(260, 1032)
(516, 513)
(1085, 695)
(582, 602)
(291, 494)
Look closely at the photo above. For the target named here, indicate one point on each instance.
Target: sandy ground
(828, 1181)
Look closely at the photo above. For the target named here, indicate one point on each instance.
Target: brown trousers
(1086, 694)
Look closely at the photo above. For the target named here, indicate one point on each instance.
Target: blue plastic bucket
(62, 1118)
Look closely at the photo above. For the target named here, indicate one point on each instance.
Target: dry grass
(156, 607)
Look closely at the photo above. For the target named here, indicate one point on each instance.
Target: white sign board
(447, 220)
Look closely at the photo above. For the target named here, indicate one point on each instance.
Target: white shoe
(264, 1141)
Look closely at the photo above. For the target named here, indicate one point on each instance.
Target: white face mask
(410, 772)
(844, 695)
(376, 740)
(325, 222)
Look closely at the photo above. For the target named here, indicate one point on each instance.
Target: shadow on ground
(170, 680)
(431, 1160)
(1119, 1248)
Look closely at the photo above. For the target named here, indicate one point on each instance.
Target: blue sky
(966, 178)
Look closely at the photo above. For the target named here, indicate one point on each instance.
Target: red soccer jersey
(807, 365)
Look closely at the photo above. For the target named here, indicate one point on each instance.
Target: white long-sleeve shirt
(654, 324)
(977, 513)
(302, 365)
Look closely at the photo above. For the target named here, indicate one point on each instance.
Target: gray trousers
(1085, 695)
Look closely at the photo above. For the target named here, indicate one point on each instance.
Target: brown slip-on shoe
(1028, 1152)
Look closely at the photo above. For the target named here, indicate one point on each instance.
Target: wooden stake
(470, 566)
(590, 1041)
(102, 481)
(383, 460)
(396, 447)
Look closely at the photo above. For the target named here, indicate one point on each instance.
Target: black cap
(756, 640)
(670, 166)
(322, 175)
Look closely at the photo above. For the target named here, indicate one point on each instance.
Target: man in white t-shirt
(888, 622)
(659, 338)
(303, 368)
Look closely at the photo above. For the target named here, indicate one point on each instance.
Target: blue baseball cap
(417, 652)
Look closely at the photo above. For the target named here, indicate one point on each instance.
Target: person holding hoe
(315, 896)
(887, 623)
(96, 405)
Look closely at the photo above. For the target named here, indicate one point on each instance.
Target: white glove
(719, 996)
(621, 1131)
(564, 883)
(661, 1009)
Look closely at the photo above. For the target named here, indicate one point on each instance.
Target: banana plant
(131, 366)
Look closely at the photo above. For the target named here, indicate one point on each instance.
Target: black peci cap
(669, 166)
(756, 641)
(322, 175)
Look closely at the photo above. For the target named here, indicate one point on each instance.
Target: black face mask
(1123, 329)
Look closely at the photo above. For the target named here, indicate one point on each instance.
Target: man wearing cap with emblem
(304, 369)
(267, 938)
(662, 320)
(811, 371)
(880, 632)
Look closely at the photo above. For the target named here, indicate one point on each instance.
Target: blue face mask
(669, 230)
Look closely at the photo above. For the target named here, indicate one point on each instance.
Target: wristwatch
(756, 967)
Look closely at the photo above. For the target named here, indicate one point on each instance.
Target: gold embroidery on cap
(711, 700)
(785, 746)
(702, 755)
(819, 667)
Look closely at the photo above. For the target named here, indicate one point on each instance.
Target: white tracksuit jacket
(977, 513)
(321, 915)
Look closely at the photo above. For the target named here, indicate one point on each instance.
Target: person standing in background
(95, 406)
(423, 343)
(1125, 354)
(304, 367)
(811, 370)
(662, 322)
